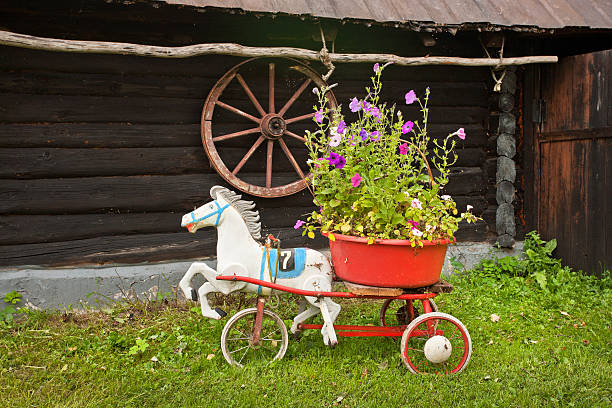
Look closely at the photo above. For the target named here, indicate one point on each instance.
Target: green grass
(533, 356)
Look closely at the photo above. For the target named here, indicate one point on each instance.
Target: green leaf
(334, 202)
(551, 245)
(397, 219)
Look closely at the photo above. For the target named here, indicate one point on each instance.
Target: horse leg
(204, 290)
(185, 283)
(328, 332)
(303, 316)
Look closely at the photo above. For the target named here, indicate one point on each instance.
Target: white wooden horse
(239, 253)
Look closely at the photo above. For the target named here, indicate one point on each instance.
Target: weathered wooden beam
(103, 47)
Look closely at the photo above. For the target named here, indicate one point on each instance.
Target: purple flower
(366, 106)
(356, 179)
(374, 136)
(404, 148)
(461, 133)
(413, 223)
(375, 112)
(376, 66)
(410, 97)
(319, 116)
(354, 105)
(363, 134)
(298, 224)
(333, 158)
(341, 127)
(407, 127)
(341, 162)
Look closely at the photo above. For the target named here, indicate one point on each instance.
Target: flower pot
(389, 263)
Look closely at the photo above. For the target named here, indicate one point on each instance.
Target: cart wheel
(247, 126)
(394, 312)
(436, 343)
(236, 338)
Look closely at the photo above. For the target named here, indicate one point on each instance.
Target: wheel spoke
(271, 88)
(270, 334)
(238, 111)
(269, 164)
(250, 95)
(294, 97)
(238, 338)
(410, 348)
(294, 163)
(245, 353)
(248, 155)
(293, 135)
(236, 134)
(299, 118)
(241, 348)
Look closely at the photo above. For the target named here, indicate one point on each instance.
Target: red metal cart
(431, 341)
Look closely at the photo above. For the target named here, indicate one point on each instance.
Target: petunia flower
(375, 112)
(354, 105)
(469, 207)
(404, 148)
(335, 140)
(319, 116)
(375, 136)
(376, 66)
(407, 127)
(298, 224)
(333, 158)
(366, 106)
(416, 232)
(430, 228)
(445, 197)
(410, 97)
(341, 127)
(356, 179)
(461, 133)
(315, 90)
(364, 134)
(416, 204)
(413, 223)
(341, 162)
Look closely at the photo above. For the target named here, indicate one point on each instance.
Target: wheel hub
(438, 349)
(273, 126)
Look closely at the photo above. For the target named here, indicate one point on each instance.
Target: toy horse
(240, 253)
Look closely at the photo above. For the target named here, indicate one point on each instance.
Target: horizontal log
(158, 193)
(54, 162)
(92, 84)
(67, 108)
(76, 135)
(131, 248)
(28, 229)
(209, 66)
(101, 47)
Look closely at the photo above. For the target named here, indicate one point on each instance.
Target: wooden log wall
(101, 155)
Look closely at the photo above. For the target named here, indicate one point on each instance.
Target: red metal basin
(390, 263)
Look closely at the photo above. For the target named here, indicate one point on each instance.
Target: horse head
(208, 215)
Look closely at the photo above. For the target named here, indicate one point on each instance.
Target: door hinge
(538, 112)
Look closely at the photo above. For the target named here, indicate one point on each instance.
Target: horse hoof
(220, 312)
(194, 295)
(332, 344)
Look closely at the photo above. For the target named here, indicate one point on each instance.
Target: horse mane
(244, 208)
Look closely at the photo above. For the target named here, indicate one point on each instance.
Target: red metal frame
(350, 295)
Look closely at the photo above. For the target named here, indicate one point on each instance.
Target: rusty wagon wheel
(233, 119)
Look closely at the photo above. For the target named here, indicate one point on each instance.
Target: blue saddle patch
(290, 265)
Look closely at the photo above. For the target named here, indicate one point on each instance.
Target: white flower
(416, 232)
(416, 204)
(445, 197)
(430, 228)
(315, 90)
(469, 207)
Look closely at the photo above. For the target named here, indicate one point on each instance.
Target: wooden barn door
(574, 157)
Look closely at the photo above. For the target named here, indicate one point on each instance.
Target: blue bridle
(218, 212)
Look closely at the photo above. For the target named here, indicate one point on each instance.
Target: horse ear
(214, 190)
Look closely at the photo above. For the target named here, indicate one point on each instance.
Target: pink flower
(319, 116)
(407, 127)
(376, 66)
(410, 97)
(461, 133)
(404, 148)
(413, 223)
(356, 179)
(354, 105)
(335, 140)
(416, 232)
(416, 204)
(298, 224)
